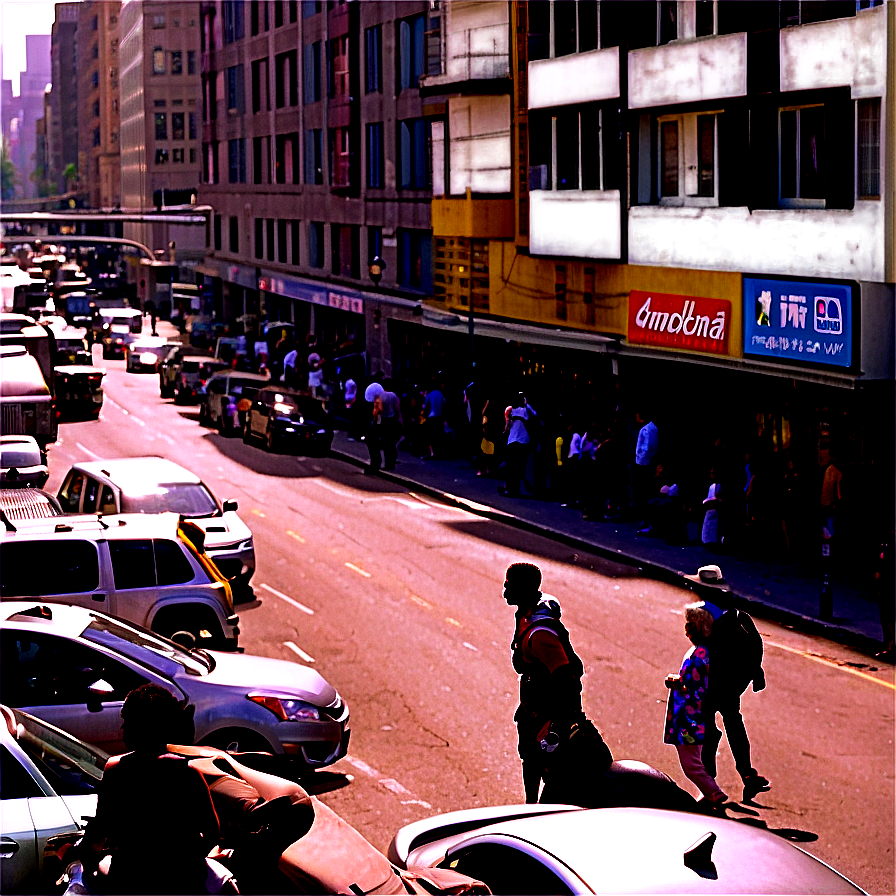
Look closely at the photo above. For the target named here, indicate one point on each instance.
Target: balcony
(688, 71)
(472, 217)
(842, 52)
(579, 78)
(575, 223)
(844, 243)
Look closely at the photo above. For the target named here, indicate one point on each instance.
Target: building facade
(33, 84)
(63, 133)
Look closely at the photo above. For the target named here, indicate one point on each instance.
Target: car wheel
(189, 619)
(247, 433)
(239, 740)
(204, 419)
(271, 441)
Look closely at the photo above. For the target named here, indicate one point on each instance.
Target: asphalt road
(396, 600)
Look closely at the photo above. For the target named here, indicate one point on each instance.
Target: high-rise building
(33, 84)
(63, 133)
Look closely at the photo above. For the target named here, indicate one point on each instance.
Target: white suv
(147, 569)
(155, 485)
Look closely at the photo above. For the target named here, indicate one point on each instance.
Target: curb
(806, 624)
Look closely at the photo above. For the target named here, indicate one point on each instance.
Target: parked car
(147, 568)
(50, 783)
(192, 374)
(283, 417)
(145, 354)
(563, 849)
(120, 327)
(168, 368)
(28, 504)
(224, 392)
(156, 485)
(22, 463)
(73, 667)
(79, 391)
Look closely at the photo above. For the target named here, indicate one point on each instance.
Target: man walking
(518, 443)
(645, 455)
(550, 712)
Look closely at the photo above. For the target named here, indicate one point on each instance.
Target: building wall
(33, 83)
(64, 97)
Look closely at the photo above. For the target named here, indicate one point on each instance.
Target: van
(27, 406)
(149, 569)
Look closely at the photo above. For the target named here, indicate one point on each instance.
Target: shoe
(754, 784)
(713, 805)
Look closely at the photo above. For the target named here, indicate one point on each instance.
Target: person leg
(712, 735)
(739, 744)
(692, 766)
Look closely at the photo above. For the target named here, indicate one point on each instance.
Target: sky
(17, 19)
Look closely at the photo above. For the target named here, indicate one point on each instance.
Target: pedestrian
(433, 416)
(350, 396)
(549, 719)
(737, 648)
(645, 454)
(372, 436)
(685, 710)
(390, 424)
(289, 367)
(884, 593)
(135, 801)
(711, 534)
(518, 444)
(831, 496)
(315, 374)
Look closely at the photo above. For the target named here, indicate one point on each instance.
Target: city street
(397, 600)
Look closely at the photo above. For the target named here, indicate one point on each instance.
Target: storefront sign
(346, 303)
(686, 322)
(809, 322)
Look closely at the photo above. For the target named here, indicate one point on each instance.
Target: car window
(53, 566)
(187, 498)
(69, 766)
(15, 782)
(107, 501)
(133, 565)
(91, 490)
(504, 869)
(172, 567)
(70, 493)
(20, 456)
(40, 669)
(217, 386)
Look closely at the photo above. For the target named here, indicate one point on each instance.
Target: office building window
(236, 161)
(177, 125)
(259, 238)
(411, 51)
(311, 71)
(337, 67)
(260, 95)
(415, 259)
(412, 154)
(340, 157)
(177, 62)
(282, 241)
(310, 8)
(802, 156)
(216, 228)
(236, 98)
(316, 244)
(234, 20)
(269, 234)
(313, 164)
(295, 236)
(374, 243)
(161, 157)
(286, 90)
(158, 21)
(234, 233)
(177, 156)
(287, 158)
(191, 62)
(161, 126)
(869, 148)
(373, 59)
(158, 61)
(191, 119)
(192, 155)
(375, 155)
(687, 159)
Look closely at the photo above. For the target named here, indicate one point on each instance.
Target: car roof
(153, 341)
(240, 375)
(28, 503)
(64, 619)
(137, 472)
(631, 850)
(14, 439)
(96, 527)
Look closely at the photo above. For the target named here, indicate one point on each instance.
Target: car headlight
(287, 708)
(290, 429)
(147, 358)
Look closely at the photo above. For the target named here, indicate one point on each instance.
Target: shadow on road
(793, 834)
(319, 782)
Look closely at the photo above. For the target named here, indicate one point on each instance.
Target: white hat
(708, 575)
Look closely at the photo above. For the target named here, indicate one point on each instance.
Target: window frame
(373, 61)
(799, 201)
(861, 166)
(688, 132)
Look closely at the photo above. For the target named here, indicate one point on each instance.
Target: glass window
(15, 782)
(669, 159)
(373, 44)
(505, 868)
(235, 89)
(295, 235)
(234, 20)
(192, 125)
(158, 61)
(310, 8)
(316, 244)
(172, 567)
(259, 238)
(270, 238)
(415, 259)
(161, 126)
(413, 154)
(133, 565)
(187, 498)
(108, 504)
(191, 62)
(706, 154)
(869, 148)
(411, 51)
(28, 572)
(281, 241)
(313, 165)
(375, 155)
(802, 153)
(177, 62)
(177, 125)
(311, 71)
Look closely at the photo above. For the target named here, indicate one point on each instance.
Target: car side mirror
(97, 692)
(230, 506)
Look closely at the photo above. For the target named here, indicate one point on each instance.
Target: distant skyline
(19, 18)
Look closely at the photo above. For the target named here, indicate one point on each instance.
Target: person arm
(203, 810)
(94, 844)
(757, 675)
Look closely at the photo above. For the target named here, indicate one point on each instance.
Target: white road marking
(825, 662)
(420, 602)
(389, 783)
(451, 621)
(469, 646)
(298, 651)
(288, 599)
(93, 454)
(167, 438)
(357, 569)
(296, 536)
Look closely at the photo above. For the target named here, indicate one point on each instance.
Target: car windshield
(20, 457)
(190, 499)
(70, 766)
(145, 647)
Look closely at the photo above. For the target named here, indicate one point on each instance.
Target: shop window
(311, 71)
(802, 157)
(340, 157)
(375, 155)
(158, 61)
(286, 89)
(236, 100)
(313, 163)
(295, 235)
(869, 148)
(177, 125)
(316, 244)
(373, 59)
(177, 62)
(412, 154)
(236, 161)
(270, 243)
(161, 126)
(234, 233)
(687, 159)
(260, 99)
(411, 51)
(415, 259)
(259, 237)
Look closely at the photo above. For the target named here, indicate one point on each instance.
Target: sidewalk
(788, 594)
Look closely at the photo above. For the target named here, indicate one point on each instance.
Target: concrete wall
(573, 223)
(479, 134)
(579, 78)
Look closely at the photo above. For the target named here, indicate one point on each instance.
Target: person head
(697, 623)
(522, 582)
(151, 718)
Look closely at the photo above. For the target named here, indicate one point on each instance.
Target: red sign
(687, 322)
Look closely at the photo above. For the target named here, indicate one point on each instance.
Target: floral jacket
(684, 711)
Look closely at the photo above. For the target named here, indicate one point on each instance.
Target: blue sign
(809, 322)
